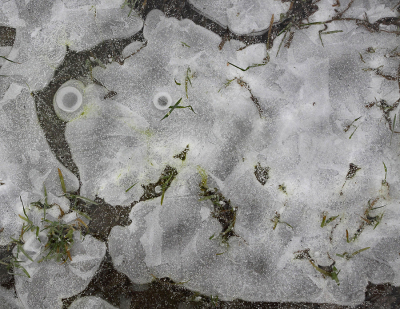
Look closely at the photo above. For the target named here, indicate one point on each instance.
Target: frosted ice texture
(8, 299)
(307, 103)
(308, 94)
(213, 9)
(90, 302)
(45, 28)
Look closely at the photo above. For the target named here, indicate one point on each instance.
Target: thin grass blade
(62, 181)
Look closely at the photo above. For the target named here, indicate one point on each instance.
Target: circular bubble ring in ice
(68, 100)
(162, 100)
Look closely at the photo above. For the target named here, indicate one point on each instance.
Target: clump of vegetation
(59, 235)
(223, 211)
(368, 219)
(163, 183)
(76, 201)
(214, 300)
(227, 83)
(12, 262)
(329, 271)
(384, 182)
(60, 239)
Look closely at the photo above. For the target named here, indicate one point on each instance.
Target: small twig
(122, 60)
(253, 98)
(249, 67)
(340, 14)
(270, 31)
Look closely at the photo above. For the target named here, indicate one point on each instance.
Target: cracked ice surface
(45, 27)
(307, 103)
(308, 94)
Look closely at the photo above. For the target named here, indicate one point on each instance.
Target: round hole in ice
(162, 100)
(69, 99)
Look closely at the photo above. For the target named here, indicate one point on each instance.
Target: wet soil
(6, 279)
(7, 36)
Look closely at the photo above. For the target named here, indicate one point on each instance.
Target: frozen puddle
(227, 149)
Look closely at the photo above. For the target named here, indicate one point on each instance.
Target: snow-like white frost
(90, 302)
(307, 114)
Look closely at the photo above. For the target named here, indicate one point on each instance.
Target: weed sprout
(60, 239)
(327, 271)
